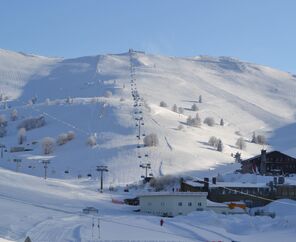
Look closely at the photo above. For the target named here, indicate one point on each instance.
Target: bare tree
(241, 144)
(21, 136)
(48, 145)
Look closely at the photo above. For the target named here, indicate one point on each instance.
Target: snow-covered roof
(148, 194)
(227, 184)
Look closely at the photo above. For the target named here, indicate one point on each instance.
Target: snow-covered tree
(108, 94)
(3, 131)
(91, 140)
(175, 108)
(151, 140)
(261, 139)
(240, 143)
(163, 104)
(13, 115)
(32, 123)
(220, 146)
(213, 141)
(62, 139)
(3, 121)
(254, 138)
(180, 110)
(209, 121)
(21, 136)
(194, 107)
(48, 145)
(70, 135)
(189, 120)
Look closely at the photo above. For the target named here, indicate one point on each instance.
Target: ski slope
(249, 97)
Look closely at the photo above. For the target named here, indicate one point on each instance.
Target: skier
(161, 222)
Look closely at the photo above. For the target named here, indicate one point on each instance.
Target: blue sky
(260, 31)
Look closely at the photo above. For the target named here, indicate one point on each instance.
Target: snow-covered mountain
(71, 95)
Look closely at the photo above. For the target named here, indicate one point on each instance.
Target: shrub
(62, 139)
(108, 94)
(21, 136)
(195, 122)
(213, 141)
(48, 145)
(240, 143)
(163, 104)
(3, 121)
(32, 123)
(209, 121)
(91, 140)
(194, 107)
(13, 115)
(151, 140)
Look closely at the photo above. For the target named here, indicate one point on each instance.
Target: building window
(199, 204)
(180, 204)
(189, 204)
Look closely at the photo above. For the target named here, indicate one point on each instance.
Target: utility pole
(18, 164)
(2, 147)
(146, 166)
(102, 169)
(45, 163)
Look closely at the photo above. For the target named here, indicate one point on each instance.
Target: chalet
(252, 194)
(269, 163)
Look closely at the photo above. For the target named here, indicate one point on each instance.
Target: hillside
(71, 95)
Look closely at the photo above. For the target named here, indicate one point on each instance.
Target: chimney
(206, 184)
(214, 180)
(263, 162)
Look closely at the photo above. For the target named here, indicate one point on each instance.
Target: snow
(71, 96)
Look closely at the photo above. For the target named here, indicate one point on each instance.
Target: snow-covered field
(71, 95)
(51, 210)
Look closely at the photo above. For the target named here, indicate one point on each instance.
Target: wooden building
(269, 163)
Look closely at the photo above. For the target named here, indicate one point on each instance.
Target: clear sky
(260, 31)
